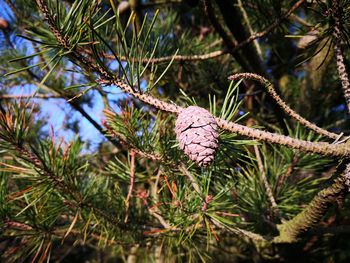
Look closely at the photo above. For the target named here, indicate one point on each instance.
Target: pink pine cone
(197, 133)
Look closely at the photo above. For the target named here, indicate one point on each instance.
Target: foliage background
(88, 173)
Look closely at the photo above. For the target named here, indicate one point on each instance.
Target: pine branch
(324, 148)
(315, 210)
(269, 88)
(321, 148)
(343, 75)
(61, 185)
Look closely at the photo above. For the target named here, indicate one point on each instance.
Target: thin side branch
(229, 42)
(34, 96)
(269, 192)
(131, 186)
(250, 29)
(180, 58)
(270, 28)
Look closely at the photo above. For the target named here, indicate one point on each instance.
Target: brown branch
(323, 148)
(250, 29)
(282, 179)
(300, 20)
(232, 45)
(180, 58)
(343, 75)
(229, 42)
(34, 96)
(234, 23)
(182, 167)
(277, 22)
(269, 88)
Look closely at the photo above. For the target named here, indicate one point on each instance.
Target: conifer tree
(223, 136)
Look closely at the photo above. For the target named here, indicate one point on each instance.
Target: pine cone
(196, 132)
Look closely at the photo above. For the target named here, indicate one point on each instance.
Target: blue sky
(57, 111)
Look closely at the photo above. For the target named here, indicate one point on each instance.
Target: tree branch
(232, 19)
(343, 75)
(34, 96)
(269, 88)
(315, 210)
(229, 42)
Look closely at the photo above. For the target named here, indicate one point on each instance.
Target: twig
(182, 167)
(282, 179)
(131, 187)
(159, 218)
(269, 88)
(232, 45)
(12, 7)
(180, 58)
(275, 24)
(132, 256)
(269, 193)
(314, 147)
(34, 96)
(155, 189)
(343, 75)
(233, 21)
(300, 20)
(250, 29)
(229, 42)
(268, 29)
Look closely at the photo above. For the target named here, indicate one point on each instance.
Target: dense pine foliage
(91, 169)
